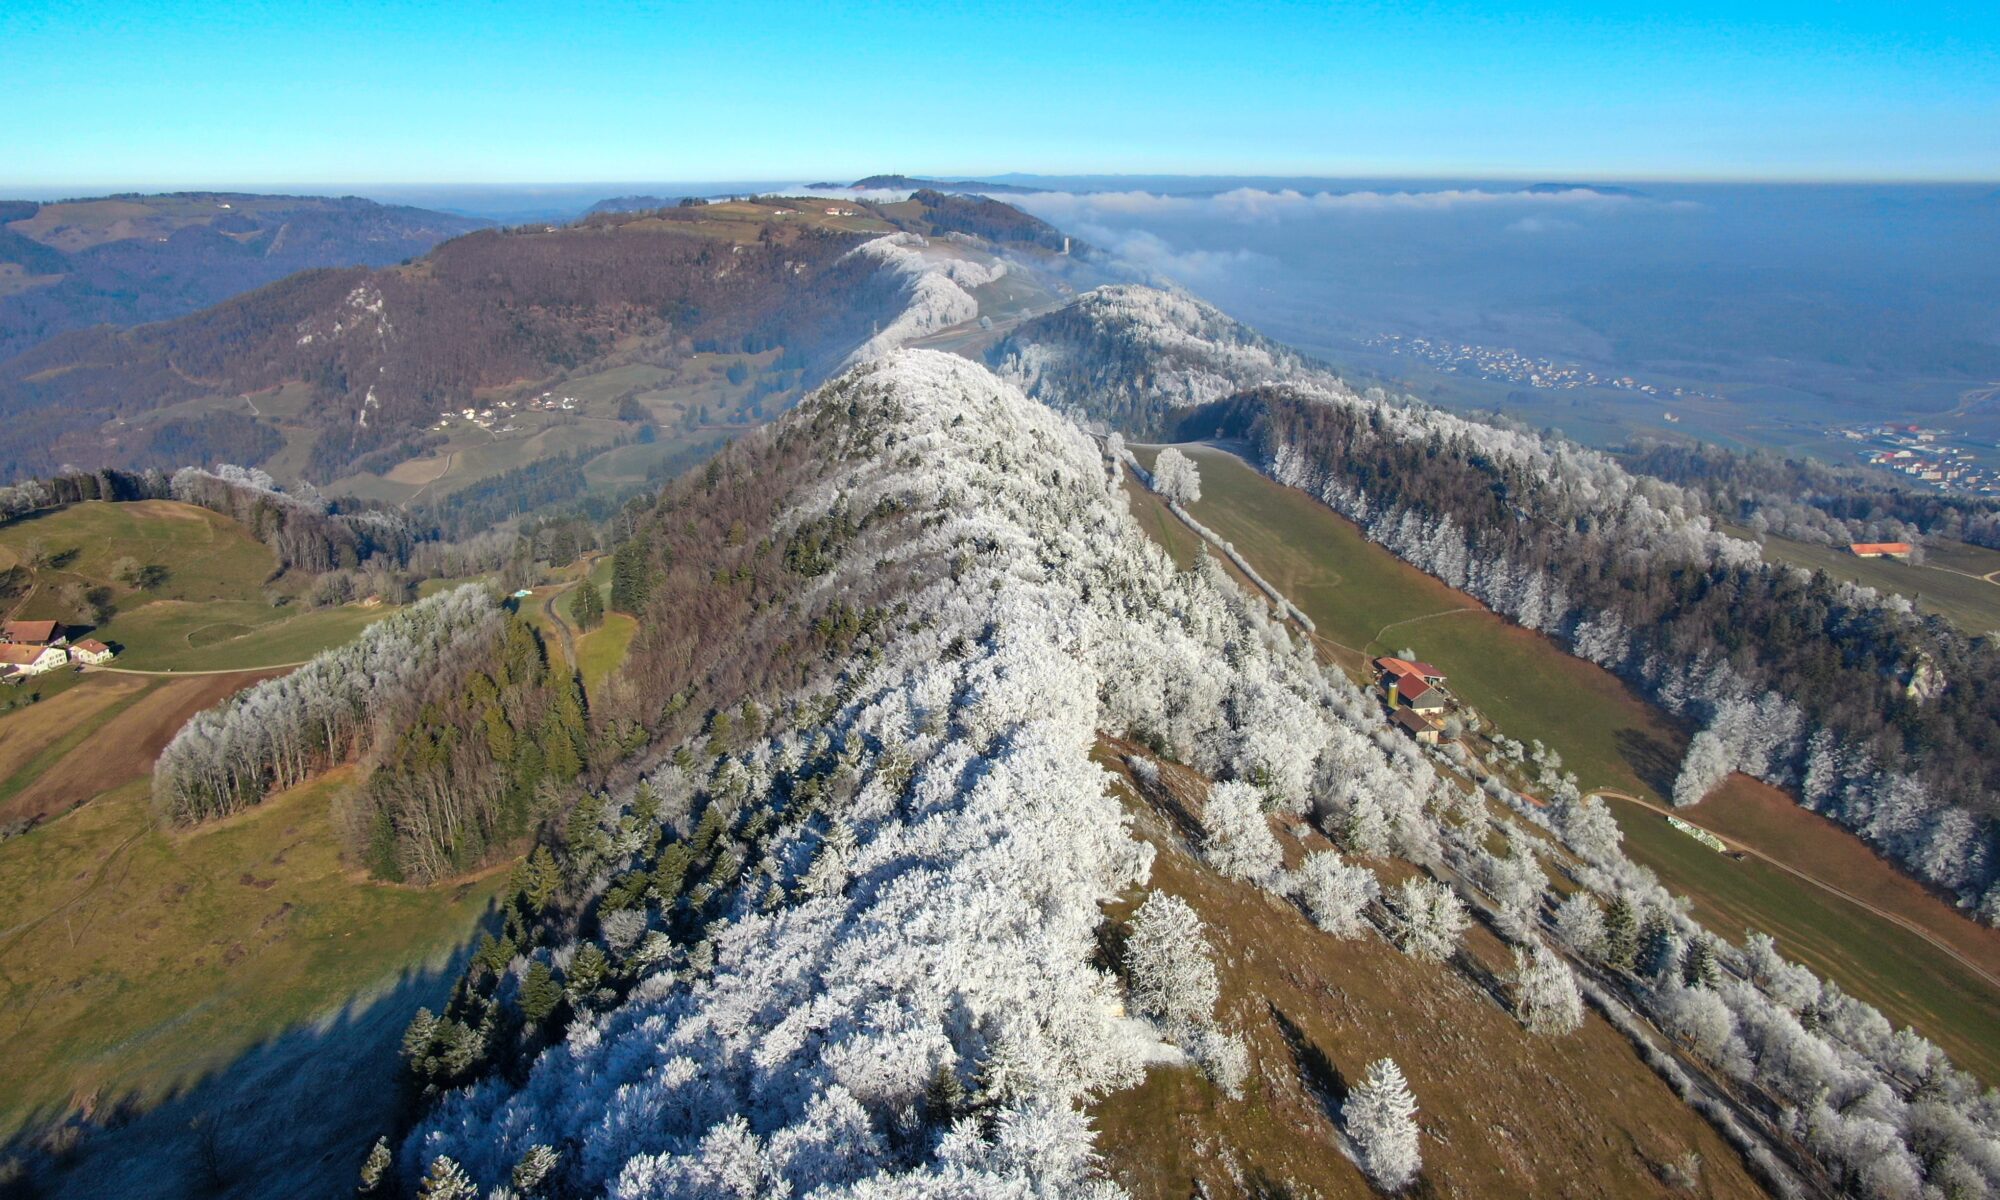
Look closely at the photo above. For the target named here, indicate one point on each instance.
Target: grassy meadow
(135, 960)
(1366, 602)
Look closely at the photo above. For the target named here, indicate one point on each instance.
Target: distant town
(1926, 455)
(1511, 366)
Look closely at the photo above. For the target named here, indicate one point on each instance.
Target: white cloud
(1254, 204)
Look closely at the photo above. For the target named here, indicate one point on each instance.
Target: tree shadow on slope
(292, 1117)
(1651, 758)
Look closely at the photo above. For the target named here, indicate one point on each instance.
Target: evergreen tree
(587, 971)
(588, 607)
(1698, 964)
(446, 1180)
(534, 1168)
(631, 577)
(1380, 1115)
(540, 994)
(944, 1096)
(1621, 935)
(1659, 949)
(375, 1168)
(539, 878)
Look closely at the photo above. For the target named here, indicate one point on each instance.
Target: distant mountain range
(914, 183)
(368, 358)
(131, 259)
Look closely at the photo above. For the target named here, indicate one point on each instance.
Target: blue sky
(246, 93)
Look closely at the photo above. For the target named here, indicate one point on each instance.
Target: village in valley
(35, 647)
(1926, 455)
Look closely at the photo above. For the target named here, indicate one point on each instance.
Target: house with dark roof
(1417, 726)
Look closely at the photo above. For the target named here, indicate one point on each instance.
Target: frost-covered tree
(1707, 764)
(1170, 963)
(1580, 923)
(446, 1180)
(1335, 894)
(1545, 993)
(1430, 918)
(1236, 835)
(1380, 1115)
(1176, 477)
(375, 1168)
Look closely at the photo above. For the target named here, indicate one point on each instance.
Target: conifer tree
(1621, 935)
(1380, 1115)
(588, 607)
(1698, 964)
(375, 1168)
(446, 1180)
(540, 994)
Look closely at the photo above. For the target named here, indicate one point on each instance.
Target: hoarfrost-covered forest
(1797, 679)
(839, 939)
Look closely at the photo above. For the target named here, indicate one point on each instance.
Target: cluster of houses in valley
(1414, 692)
(32, 647)
(1926, 455)
(487, 418)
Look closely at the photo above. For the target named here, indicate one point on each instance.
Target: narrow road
(562, 626)
(1900, 922)
(1413, 620)
(218, 671)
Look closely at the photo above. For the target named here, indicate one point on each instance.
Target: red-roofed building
(32, 633)
(1880, 549)
(92, 651)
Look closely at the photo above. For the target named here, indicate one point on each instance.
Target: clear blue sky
(174, 94)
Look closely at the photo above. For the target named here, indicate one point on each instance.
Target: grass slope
(1368, 601)
(133, 961)
(1503, 1113)
(210, 612)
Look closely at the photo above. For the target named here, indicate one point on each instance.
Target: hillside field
(1366, 602)
(208, 610)
(134, 961)
(1951, 581)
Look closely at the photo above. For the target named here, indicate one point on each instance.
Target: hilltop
(130, 259)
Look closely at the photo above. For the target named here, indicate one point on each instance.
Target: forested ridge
(1884, 719)
(127, 259)
(832, 926)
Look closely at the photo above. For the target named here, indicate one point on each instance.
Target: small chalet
(91, 651)
(17, 658)
(1880, 549)
(1417, 726)
(32, 633)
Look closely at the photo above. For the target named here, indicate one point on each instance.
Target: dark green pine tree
(631, 577)
(588, 607)
(1621, 935)
(540, 994)
(944, 1096)
(1698, 964)
(1658, 952)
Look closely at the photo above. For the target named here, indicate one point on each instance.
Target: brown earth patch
(127, 745)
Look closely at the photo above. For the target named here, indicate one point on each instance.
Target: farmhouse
(91, 651)
(32, 633)
(1417, 685)
(19, 659)
(1417, 726)
(1880, 549)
